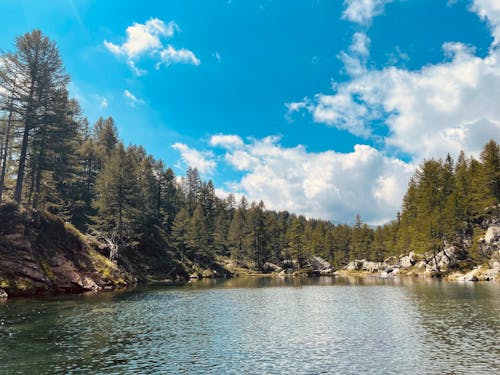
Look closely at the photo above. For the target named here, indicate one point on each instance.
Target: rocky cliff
(41, 254)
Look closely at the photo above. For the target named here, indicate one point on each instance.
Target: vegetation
(52, 160)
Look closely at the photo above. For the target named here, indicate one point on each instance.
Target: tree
(117, 200)
(33, 76)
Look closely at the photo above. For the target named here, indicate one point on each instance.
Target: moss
(24, 284)
(4, 283)
(72, 229)
(47, 270)
(108, 270)
(476, 235)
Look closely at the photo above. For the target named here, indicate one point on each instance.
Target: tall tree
(37, 70)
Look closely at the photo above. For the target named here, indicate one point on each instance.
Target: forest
(52, 160)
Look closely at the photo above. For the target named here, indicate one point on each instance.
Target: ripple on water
(343, 327)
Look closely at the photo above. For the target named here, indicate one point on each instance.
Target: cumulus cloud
(170, 56)
(326, 185)
(363, 11)
(146, 39)
(445, 107)
(227, 141)
(202, 160)
(360, 44)
(489, 10)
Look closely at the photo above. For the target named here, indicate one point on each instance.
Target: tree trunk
(5, 151)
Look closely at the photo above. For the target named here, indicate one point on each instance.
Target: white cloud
(202, 160)
(360, 44)
(490, 11)
(326, 185)
(170, 56)
(146, 39)
(362, 11)
(226, 141)
(133, 99)
(104, 103)
(445, 107)
(440, 108)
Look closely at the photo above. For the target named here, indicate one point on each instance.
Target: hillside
(42, 255)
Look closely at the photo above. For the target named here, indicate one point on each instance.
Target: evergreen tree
(117, 200)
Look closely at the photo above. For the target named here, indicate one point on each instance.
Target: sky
(322, 108)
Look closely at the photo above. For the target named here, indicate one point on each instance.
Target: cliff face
(43, 255)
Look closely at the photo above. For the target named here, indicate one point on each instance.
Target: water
(260, 325)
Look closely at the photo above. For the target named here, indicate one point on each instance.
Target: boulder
(473, 275)
(318, 263)
(391, 261)
(355, 265)
(327, 272)
(446, 258)
(90, 285)
(271, 267)
(405, 262)
(3, 294)
(492, 234)
(372, 266)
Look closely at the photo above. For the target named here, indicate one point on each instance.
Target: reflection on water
(259, 325)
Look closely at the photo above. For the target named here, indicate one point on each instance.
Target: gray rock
(3, 294)
(391, 261)
(372, 266)
(471, 276)
(355, 265)
(318, 263)
(405, 262)
(271, 267)
(492, 234)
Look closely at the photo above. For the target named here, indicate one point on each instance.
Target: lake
(259, 326)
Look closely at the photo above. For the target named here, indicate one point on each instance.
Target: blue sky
(323, 108)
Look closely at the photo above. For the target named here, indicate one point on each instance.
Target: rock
(492, 234)
(90, 285)
(391, 261)
(408, 261)
(355, 265)
(473, 275)
(271, 267)
(372, 266)
(421, 265)
(405, 262)
(318, 263)
(447, 258)
(3, 294)
(195, 276)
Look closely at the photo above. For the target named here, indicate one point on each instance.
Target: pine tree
(36, 73)
(117, 200)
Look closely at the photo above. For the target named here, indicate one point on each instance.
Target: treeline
(53, 160)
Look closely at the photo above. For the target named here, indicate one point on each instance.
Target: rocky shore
(452, 263)
(42, 255)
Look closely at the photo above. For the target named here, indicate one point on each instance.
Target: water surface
(259, 325)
